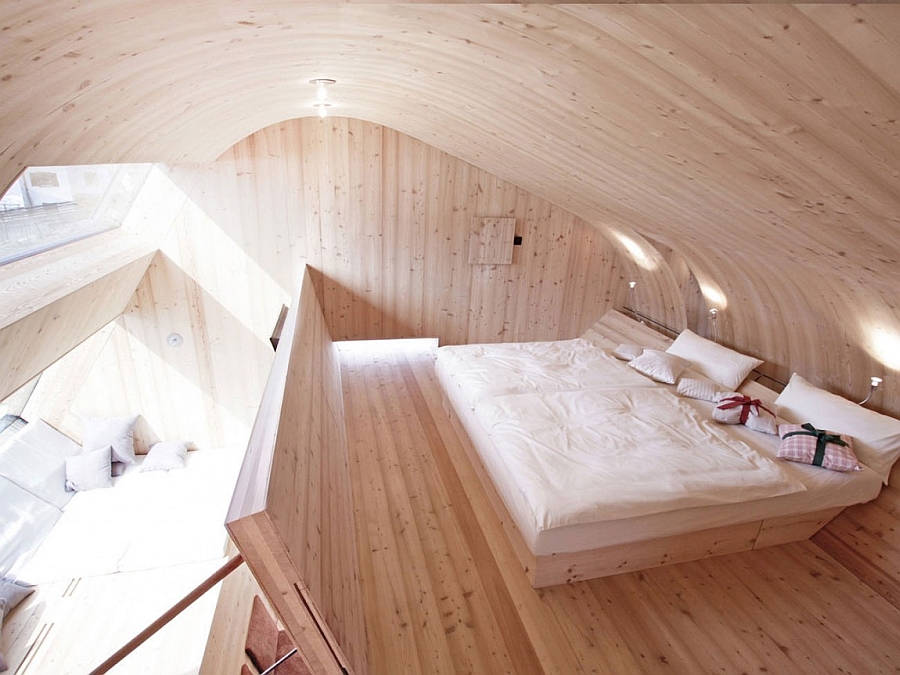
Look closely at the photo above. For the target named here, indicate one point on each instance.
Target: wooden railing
(170, 614)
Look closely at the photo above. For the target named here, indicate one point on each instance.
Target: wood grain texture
(756, 141)
(225, 646)
(443, 592)
(292, 512)
(37, 339)
(387, 220)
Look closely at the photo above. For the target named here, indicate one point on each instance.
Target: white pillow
(627, 352)
(876, 437)
(89, 471)
(717, 362)
(165, 457)
(699, 387)
(116, 432)
(659, 366)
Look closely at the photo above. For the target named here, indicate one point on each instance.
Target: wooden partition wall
(291, 515)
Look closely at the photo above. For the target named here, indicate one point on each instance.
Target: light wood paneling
(228, 633)
(757, 141)
(387, 220)
(292, 514)
(443, 592)
(33, 341)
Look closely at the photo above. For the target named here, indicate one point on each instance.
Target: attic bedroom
(466, 174)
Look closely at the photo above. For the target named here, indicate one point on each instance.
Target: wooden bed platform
(563, 568)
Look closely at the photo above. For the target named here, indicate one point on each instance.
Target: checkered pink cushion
(801, 447)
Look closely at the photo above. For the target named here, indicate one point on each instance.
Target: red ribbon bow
(746, 402)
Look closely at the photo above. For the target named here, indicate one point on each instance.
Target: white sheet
(486, 370)
(599, 454)
(824, 489)
(146, 520)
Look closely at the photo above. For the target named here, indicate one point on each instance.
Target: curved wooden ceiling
(761, 142)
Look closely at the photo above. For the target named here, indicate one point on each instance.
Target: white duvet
(483, 371)
(602, 454)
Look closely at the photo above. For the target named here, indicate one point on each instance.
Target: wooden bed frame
(564, 568)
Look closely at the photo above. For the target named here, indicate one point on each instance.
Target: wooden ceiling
(761, 142)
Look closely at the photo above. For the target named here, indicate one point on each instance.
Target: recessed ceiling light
(323, 102)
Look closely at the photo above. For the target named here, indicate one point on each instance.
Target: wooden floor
(443, 592)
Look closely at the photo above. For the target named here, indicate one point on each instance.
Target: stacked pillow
(105, 441)
(842, 431)
(722, 369)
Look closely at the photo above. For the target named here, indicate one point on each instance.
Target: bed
(595, 469)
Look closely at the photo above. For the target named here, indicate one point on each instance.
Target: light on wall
(873, 385)
(631, 304)
(713, 324)
(323, 100)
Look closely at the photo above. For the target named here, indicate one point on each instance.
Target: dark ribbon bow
(823, 438)
(746, 402)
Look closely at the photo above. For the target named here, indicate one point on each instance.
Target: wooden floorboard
(443, 591)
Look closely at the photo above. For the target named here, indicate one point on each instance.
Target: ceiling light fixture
(323, 101)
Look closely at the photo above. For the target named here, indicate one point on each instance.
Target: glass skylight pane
(49, 206)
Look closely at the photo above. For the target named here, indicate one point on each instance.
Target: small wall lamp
(873, 385)
(714, 325)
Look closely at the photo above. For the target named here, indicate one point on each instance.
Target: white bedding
(823, 489)
(601, 454)
(146, 520)
(483, 371)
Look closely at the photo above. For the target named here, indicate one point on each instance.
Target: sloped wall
(386, 219)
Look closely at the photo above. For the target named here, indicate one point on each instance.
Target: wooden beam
(52, 302)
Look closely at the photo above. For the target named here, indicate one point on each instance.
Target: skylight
(49, 206)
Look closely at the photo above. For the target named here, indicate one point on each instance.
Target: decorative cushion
(627, 352)
(116, 432)
(717, 362)
(876, 437)
(735, 408)
(89, 471)
(12, 593)
(165, 457)
(806, 444)
(700, 388)
(659, 366)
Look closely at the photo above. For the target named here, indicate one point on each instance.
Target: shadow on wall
(214, 378)
(350, 316)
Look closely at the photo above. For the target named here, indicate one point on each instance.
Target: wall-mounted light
(873, 385)
(713, 324)
(631, 303)
(323, 100)
(174, 340)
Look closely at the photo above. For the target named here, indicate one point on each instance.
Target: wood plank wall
(386, 219)
(293, 513)
(309, 497)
